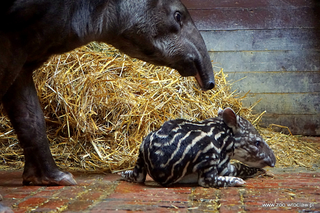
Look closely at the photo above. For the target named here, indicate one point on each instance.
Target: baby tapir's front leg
(211, 178)
(138, 174)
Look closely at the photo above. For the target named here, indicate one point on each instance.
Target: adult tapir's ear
(230, 118)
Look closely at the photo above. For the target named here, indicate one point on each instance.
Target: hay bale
(100, 104)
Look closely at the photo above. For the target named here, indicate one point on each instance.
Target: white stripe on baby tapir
(159, 152)
(165, 135)
(197, 155)
(195, 167)
(190, 123)
(223, 161)
(217, 136)
(176, 150)
(214, 162)
(224, 171)
(169, 143)
(194, 141)
(185, 169)
(229, 146)
(208, 169)
(210, 146)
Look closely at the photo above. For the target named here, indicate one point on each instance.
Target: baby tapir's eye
(257, 143)
(178, 17)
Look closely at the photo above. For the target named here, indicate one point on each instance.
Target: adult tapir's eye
(178, 17)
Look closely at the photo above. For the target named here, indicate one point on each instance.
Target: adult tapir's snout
(197, 61)
(162, 32)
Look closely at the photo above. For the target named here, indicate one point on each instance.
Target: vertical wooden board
(276, 45)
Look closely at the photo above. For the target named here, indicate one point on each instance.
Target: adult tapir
(157, 31)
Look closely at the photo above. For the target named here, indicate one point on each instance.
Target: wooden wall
(275, 46)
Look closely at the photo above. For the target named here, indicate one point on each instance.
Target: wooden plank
(304, 60)
(276, 46)
(285, 103)
(278, 39)
(210, 4)
(276, 82)
(256, 18)
(298, 124)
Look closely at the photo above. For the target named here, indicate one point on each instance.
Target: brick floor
(285, 192)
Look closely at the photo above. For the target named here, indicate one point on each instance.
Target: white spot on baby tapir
(159, 152)
(217, 136)
(214, 162)
(158, 145)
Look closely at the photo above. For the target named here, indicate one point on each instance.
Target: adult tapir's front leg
(23, 108)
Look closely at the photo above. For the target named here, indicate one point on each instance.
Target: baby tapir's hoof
(57, 179)
(127, 176)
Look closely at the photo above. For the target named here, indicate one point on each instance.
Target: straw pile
(100, 104)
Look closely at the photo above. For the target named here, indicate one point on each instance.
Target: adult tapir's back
(157, 31)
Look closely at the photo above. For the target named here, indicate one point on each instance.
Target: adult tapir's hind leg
(23, 108)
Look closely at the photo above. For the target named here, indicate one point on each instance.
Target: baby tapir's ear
(230, 118)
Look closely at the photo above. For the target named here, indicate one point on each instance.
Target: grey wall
(275, 46)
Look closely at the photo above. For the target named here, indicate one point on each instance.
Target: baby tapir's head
(249, 147)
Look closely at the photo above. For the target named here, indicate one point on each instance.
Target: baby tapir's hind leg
(138, 174)
(210, 178)
(243, 171)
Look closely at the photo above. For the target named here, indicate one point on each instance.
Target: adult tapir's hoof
(58, 178)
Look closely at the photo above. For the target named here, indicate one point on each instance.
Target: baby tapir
(182, 150)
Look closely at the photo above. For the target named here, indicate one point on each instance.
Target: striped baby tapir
(199, 152)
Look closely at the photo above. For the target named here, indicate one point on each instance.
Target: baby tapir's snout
(257, 155)
(269, 158)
